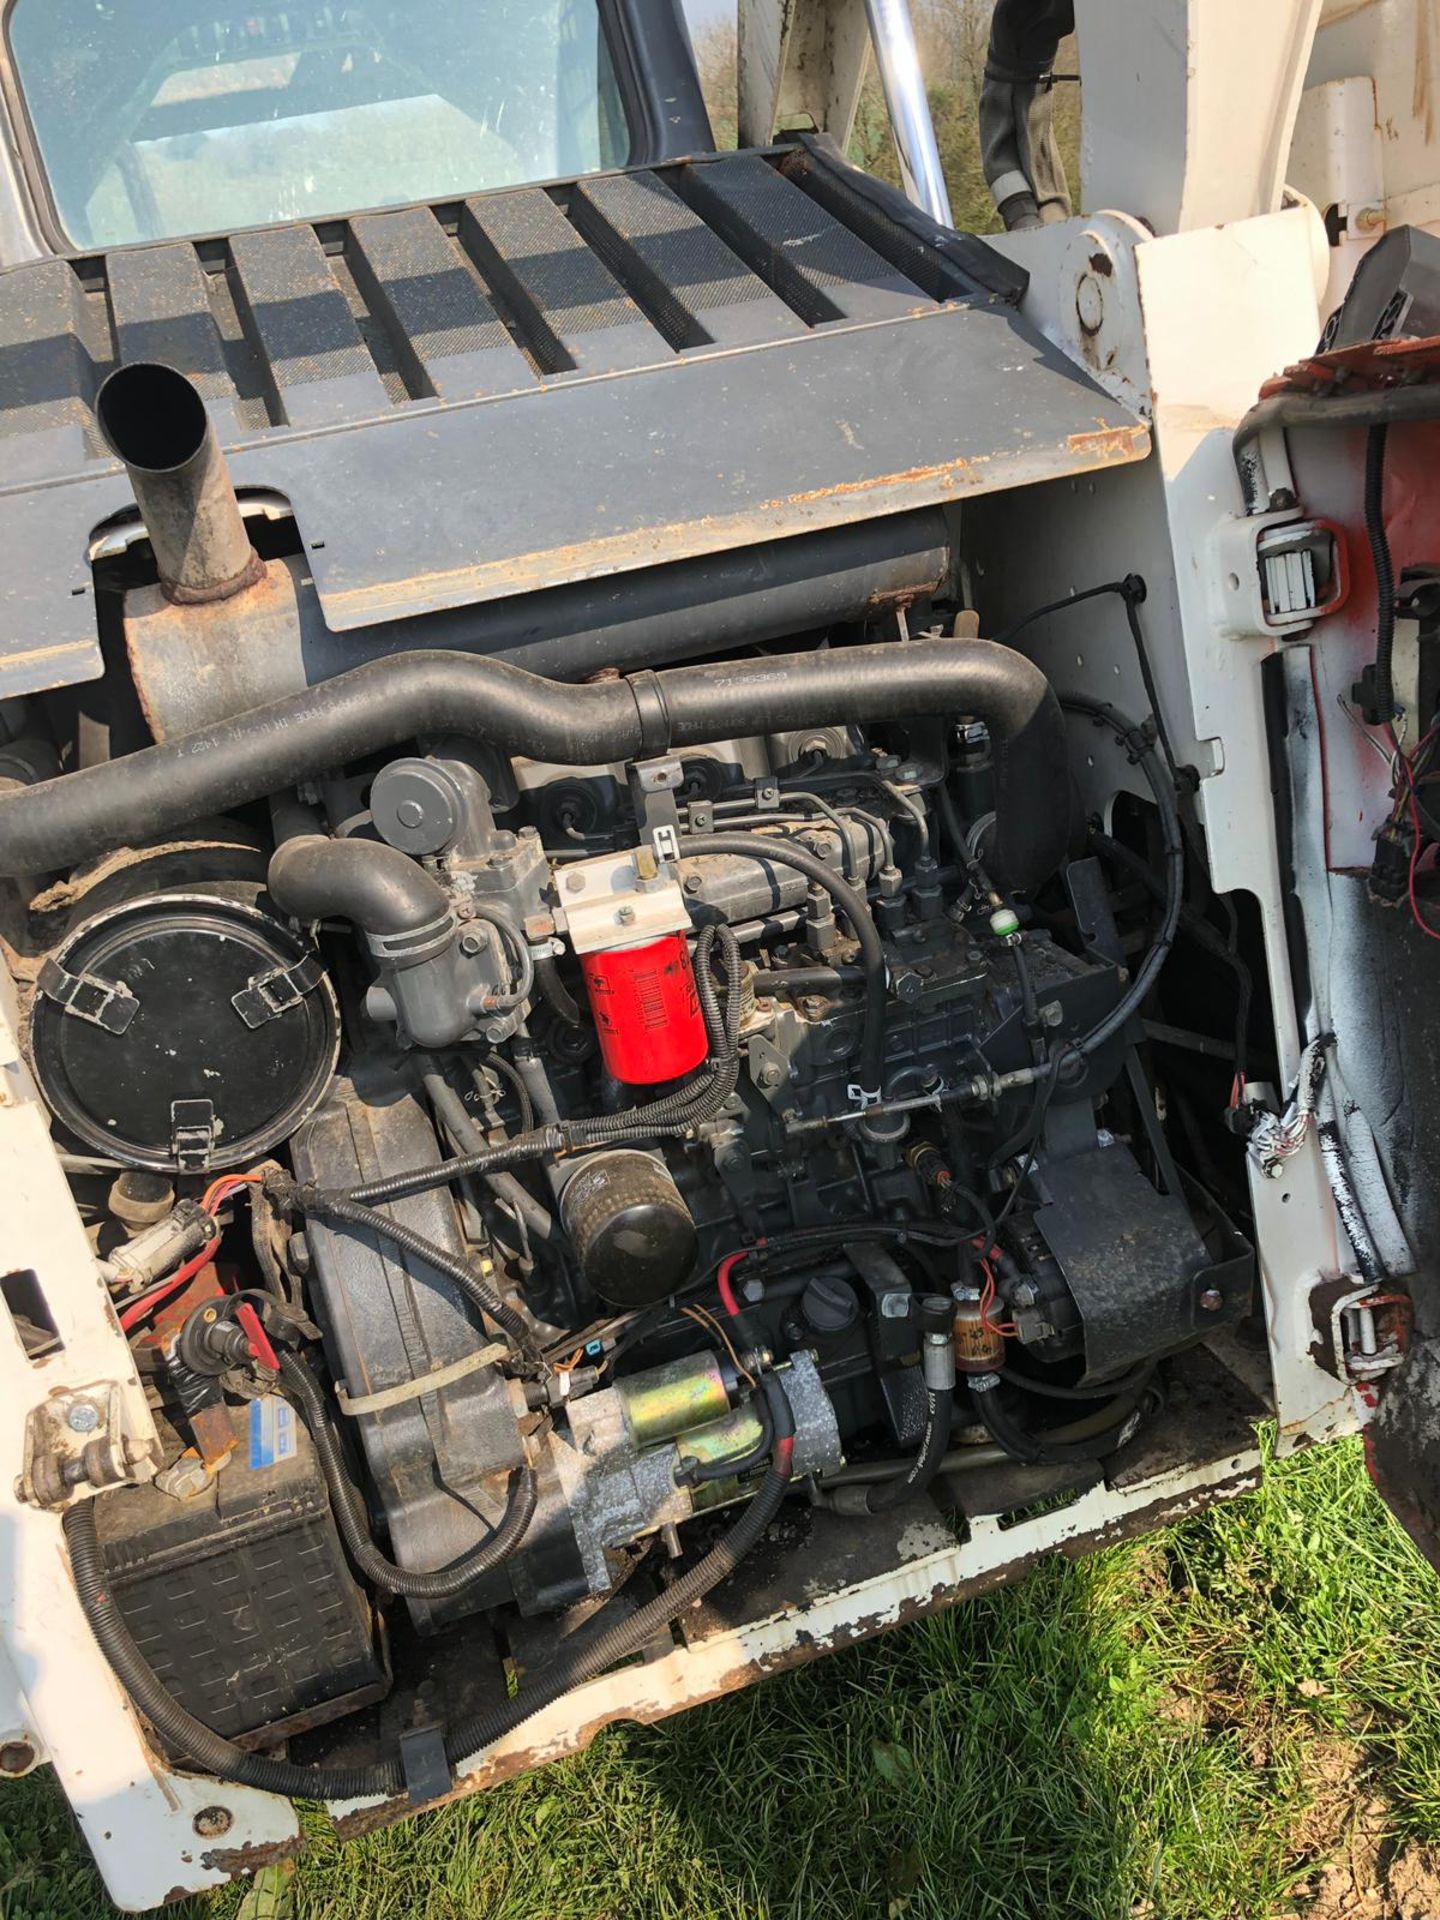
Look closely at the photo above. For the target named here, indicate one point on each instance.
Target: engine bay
(516, 1171)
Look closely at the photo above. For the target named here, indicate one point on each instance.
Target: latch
(192, 1134)
(267, 995)
(1276, 573)
(1302, 571)
(104, 1003)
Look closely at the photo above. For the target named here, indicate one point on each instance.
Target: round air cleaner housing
(184, 1030)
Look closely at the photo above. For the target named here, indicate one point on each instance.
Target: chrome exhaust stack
(898, 59)
(152, 417)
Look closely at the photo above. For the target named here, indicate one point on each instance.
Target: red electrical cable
(722, 1279)
(137, 1309)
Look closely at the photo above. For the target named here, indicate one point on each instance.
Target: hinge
(1364, 1348)
(267, 995)
(104, 1003)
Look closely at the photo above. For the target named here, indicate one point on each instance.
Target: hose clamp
(648, 692)
(415, 945)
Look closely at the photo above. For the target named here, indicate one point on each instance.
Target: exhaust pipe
(152, 417)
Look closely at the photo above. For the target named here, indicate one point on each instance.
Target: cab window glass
(156, 118)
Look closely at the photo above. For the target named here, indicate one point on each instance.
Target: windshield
(156, 118)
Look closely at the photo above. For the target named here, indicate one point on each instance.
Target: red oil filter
(647, 1011)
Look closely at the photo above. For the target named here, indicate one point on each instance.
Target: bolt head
(1212, 1300)
(625, 915)
(83, 1417)
(475, 941)
(693, 883)
(574, 883)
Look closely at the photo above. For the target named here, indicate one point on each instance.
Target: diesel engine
(536, 1133)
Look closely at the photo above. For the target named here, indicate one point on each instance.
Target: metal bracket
(267, 995)
(653, 786)
(192, 1134)
(104, 1003)
(423, 1763)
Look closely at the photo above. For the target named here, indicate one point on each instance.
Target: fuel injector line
(851, 902)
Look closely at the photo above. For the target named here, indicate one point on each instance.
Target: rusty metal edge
(1243, 1478)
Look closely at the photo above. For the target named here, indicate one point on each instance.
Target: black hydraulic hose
(340, 1208)
(1107, 1390)
(497, 1064)
(1200, 930)
(214, 1754)
(672, 1114)
(1035, 1449)
(851, 902)
(889, 1494)
(1382, 692)
(538, 1221)
(124, 802)
(1141, 747)
(377, 887)
(521, 1499)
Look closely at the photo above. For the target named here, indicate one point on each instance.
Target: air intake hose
(54, 825)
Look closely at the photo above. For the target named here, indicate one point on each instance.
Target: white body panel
(1190, 106)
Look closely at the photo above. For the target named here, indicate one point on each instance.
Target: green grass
(1189, 1726)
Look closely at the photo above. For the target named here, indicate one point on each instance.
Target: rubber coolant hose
(378, 888)
(279, 746)
(522, 1498)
